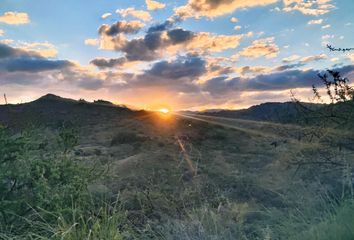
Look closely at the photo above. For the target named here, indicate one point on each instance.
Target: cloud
(106, 15)
(278, 81)
(350, 57)
(121, 27)
(154, 5)
(16, 59)
(313, 8)
(9, 52)
(326, 26)
(234, 20)
(190, 67)
(179, 35)
(25, 64)
(216, 8)
(2, 32)
(162, 26)
(264, 82)
(108, 63)
(92, 42)
(315, 22)
(15, 18)
(175, 75)
(35, 49)
(259, 48)
(314, 58)
(291, 58)
(304, 60)
(44, 49)
(139, 14)
(160, 40)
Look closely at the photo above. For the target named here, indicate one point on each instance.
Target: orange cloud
(15, 18)
(154, 5)
(140, 14)
(212, 8)
(259, 48)
(213, 43)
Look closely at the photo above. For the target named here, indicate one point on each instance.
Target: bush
(33, 180)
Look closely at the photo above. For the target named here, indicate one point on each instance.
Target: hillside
(54, 110)
(174, 176)
(288, 112)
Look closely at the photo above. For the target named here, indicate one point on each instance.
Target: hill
(53, 110)
(288, 112)
(173, 176)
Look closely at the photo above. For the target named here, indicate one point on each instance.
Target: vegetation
(119, 174)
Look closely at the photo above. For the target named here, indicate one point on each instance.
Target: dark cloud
(179, 35)
(345, 70)
(120, 27)
(137, 49)
(149, 47)
(25, 64)
(221, 85)
(161, 27)
(7, 51)
(19, 60)
(108, 63)
(189, 66)
(153, 40)
(157, 39)
(284, 80)
(177, 75)
(288, 67)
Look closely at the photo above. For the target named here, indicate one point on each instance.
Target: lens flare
(164, 110)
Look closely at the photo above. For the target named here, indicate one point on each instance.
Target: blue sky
(202, 59)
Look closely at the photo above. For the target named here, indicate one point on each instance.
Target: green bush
(37, 184)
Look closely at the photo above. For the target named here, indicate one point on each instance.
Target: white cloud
(92, 42)
(291, 58)
(14, 18)
(234, 19)
(313, 7)
(315, 22)
(106, 15)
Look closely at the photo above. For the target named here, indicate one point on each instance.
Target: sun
(164, 110)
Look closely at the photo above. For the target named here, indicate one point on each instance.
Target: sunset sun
(164, 110)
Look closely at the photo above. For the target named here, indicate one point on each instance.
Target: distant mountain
(286, 112)
(54, 110)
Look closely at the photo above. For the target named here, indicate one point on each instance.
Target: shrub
(33, 179)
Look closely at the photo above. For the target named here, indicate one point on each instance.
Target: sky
(183, 54)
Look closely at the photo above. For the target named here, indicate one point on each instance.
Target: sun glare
(164, 110)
